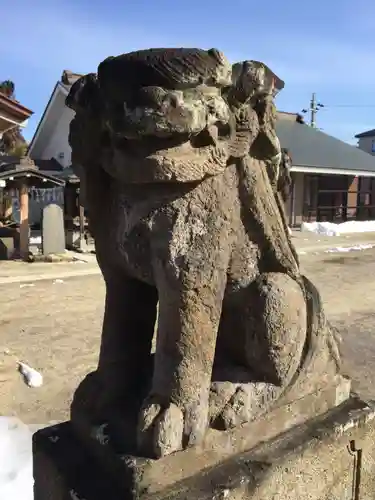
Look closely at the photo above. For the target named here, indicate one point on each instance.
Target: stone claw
(160, 428)
(166, 428)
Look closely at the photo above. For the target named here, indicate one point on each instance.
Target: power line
(316, 106)
(349, 105)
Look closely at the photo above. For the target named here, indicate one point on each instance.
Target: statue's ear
(84, 95)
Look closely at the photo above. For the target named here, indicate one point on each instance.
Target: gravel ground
(55, 327)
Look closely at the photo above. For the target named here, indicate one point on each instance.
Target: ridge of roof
(367, 133)
(68, 77)
(51, 165)
(43, 165)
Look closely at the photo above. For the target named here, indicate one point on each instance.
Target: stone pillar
(297, 200)
(352, 197)
(24, 220)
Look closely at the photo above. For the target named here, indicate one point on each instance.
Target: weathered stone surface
(325, 458)
(53, 233)
(183, 177)
(112, 441)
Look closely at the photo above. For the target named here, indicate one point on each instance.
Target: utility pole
(314, 108)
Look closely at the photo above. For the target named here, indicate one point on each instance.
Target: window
(373, 146)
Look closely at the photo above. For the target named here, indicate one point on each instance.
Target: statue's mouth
(168, 117)
(146, 146)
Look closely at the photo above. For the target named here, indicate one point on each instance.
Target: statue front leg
(125, 351)
(175, 415)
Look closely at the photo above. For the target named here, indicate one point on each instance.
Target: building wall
(52, 141)
(58, 146)
(334, 198)
(38, 199)
(366, 144)
(294, 207)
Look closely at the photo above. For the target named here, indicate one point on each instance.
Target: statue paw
(234, 404)
(164, 428)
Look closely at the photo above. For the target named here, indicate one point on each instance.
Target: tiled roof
(14, 107)
(310, 147)
(8, 160)
(368, 133)
(51, 165)
(12, 167)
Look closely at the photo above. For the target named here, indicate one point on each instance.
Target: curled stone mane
(172, 69)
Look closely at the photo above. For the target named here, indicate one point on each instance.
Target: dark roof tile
(51, 165)
(368, 133)
(310, 147)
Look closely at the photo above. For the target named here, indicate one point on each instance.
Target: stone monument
(53, 235)
(238, 390)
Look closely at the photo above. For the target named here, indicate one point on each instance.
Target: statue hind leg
(272, 352)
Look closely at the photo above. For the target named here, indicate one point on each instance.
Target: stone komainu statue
(179, 162)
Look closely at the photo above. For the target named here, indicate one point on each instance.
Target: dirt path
(56, 328)
(347, 285)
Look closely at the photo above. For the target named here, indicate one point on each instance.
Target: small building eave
(20, 112)
(367, 133)
(331, 171)
(30, 175)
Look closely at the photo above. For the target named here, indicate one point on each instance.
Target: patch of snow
(25, 285)
(331, 229)
(16, 461)
(350, 249)
(35, 240)
(57, 281)
(31, 377)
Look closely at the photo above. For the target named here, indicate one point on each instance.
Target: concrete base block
(326, 458)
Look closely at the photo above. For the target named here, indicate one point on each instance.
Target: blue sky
(322, 46)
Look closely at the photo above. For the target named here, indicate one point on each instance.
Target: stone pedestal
(286, 455)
